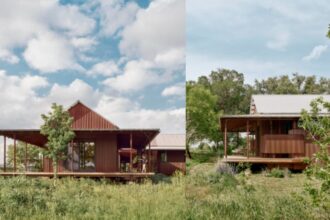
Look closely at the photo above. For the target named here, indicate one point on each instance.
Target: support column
(119, 168)
(25, 161)
(14, 153)
(149, 158)
(72, 155)
(248, 138)
(4, 154)
(225, 139)
(130, 154)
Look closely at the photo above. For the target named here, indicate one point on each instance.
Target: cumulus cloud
(9, 57)
(137, 75)
(49, 52)
(22, 104)
(157, 29)
(27, 24)
(83, 43)
(106, 68)
(175, 90)
(128, 114)
(316, 53)
(115, 15)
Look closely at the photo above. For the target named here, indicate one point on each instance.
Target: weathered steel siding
(311, 149)
(85, 118)
(48, 165)
(106, 154)
(283, 144)
(176, 160)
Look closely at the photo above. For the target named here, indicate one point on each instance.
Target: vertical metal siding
(85, 118)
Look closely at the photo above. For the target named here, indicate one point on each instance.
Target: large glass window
(86, 156)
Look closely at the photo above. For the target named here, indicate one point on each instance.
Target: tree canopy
(57, 128)
(225, 92)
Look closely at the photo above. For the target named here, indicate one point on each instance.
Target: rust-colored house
(168, 153)
(272, 132)
(99, 149)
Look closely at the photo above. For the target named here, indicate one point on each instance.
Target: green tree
(202, 121)
(57, 128)
(317, 124)
(33, 156)
(328, 35)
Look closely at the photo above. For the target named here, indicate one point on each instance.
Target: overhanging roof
(33, 136)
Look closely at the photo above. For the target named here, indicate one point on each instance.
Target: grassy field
(29, 198)
(211, 195)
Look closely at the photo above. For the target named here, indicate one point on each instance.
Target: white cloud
(9, 57)
(156, 30)
(127, 114)
(137, 75)
(115, 15)
(77, 90)
(49, 52)
(22, 106)
(316, 53)
(83, 43)
(23, 22)
(106, 68)
(175, 90)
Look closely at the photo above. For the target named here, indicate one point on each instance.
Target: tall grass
(25, 198)
(222, 195)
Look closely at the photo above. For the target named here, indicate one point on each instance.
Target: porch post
(72, 155)
(149, 158)
(25, 161)
(248, 138)
(14, 153)
(225, 139)
(4, 154)
(130, 154)
(119, 168)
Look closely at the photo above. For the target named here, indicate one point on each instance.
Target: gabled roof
(86, 118)
(169, 142)
(282, 104)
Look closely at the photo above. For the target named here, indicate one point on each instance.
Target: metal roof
(283, 104)
(169, 142)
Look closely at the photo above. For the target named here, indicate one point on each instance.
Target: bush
(225, 168)
(278, 173)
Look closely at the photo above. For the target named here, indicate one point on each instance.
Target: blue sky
(125, 59)
(257, 37)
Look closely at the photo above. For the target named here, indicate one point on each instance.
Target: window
(163, 156)
(86, 156)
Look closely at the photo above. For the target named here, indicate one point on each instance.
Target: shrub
(276, 172)
(224, 168)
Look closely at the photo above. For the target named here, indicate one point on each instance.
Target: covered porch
(95, 153)
(269, 139)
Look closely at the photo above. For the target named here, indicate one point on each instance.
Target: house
(168, 153)
(272, 132)
(100, 148)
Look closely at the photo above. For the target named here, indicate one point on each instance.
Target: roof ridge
(79, 102)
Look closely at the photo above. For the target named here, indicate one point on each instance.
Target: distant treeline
(225, 92)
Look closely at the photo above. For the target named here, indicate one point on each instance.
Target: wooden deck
(263, 160)
(120, 175)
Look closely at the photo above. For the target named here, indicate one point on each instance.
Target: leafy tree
(328, 35)
(202, 118)
(33, 156)
(229, 88)
(317, 125)
(57, 128)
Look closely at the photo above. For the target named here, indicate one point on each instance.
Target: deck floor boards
(79, 174)
(263, 160)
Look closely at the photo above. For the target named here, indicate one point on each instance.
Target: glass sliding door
(82, 156)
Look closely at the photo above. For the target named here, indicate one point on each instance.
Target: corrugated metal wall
(85, 118)
(106, 154)
(283, 144)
